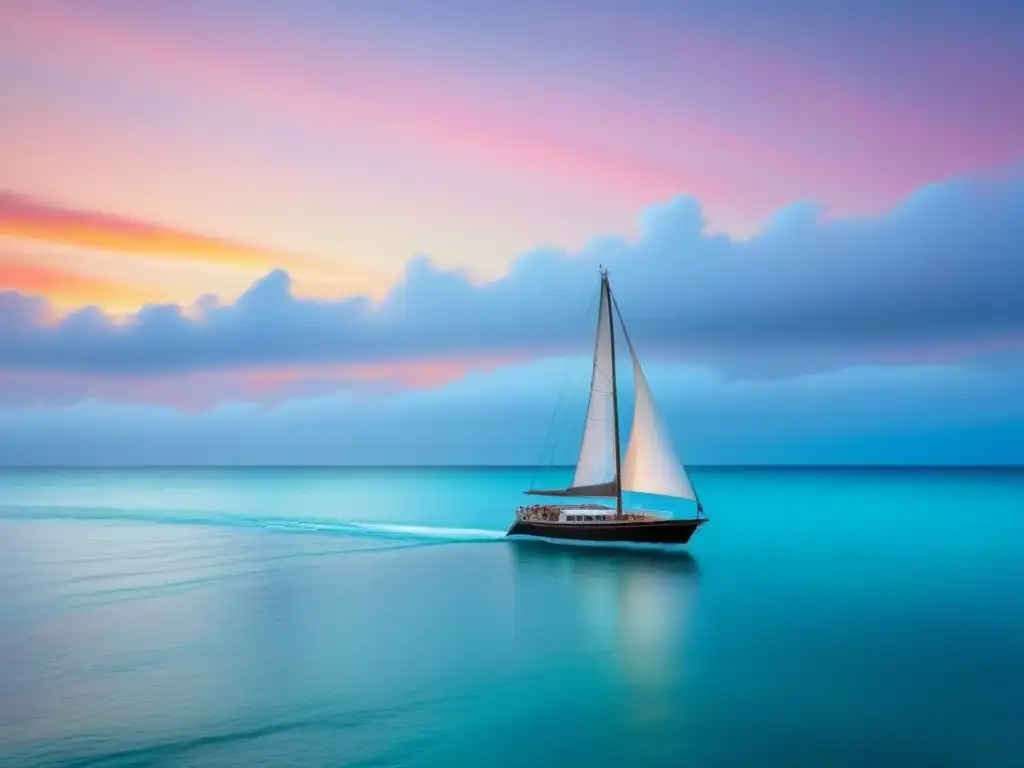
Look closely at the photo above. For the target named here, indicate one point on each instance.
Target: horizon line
(4, 467)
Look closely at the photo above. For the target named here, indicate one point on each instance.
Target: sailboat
(651, 465)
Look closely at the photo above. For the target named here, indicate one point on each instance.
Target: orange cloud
(67, 289)
(33, 220)
(36, 220)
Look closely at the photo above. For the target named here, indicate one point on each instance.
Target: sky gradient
(234, 215)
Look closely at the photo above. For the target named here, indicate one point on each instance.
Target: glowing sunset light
(23, 217)
(67, 290)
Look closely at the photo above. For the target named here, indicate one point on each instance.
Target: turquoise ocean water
(375, 617)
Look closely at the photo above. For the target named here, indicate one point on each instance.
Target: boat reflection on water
(629, 608)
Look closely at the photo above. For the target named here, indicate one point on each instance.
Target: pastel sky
(256, 226)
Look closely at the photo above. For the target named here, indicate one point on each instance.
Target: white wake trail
(429, 532)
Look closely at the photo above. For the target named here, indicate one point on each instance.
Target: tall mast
(606, 287)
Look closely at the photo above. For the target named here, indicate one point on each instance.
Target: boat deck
(571, 513)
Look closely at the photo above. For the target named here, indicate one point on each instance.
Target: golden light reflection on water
(632, 605)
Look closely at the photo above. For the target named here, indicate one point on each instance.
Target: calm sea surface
(323, 617)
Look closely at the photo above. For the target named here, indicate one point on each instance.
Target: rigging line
(563, 389)
(622, 323)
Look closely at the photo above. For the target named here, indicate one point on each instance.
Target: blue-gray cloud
(943, 268)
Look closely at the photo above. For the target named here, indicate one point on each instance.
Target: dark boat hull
(639, 532)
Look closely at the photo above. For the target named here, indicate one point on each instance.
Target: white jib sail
(651, 464)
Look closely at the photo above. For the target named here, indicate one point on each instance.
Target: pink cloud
(200, 390)
(631, 152)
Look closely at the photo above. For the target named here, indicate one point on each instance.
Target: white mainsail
(651, 464)
(596, 462)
